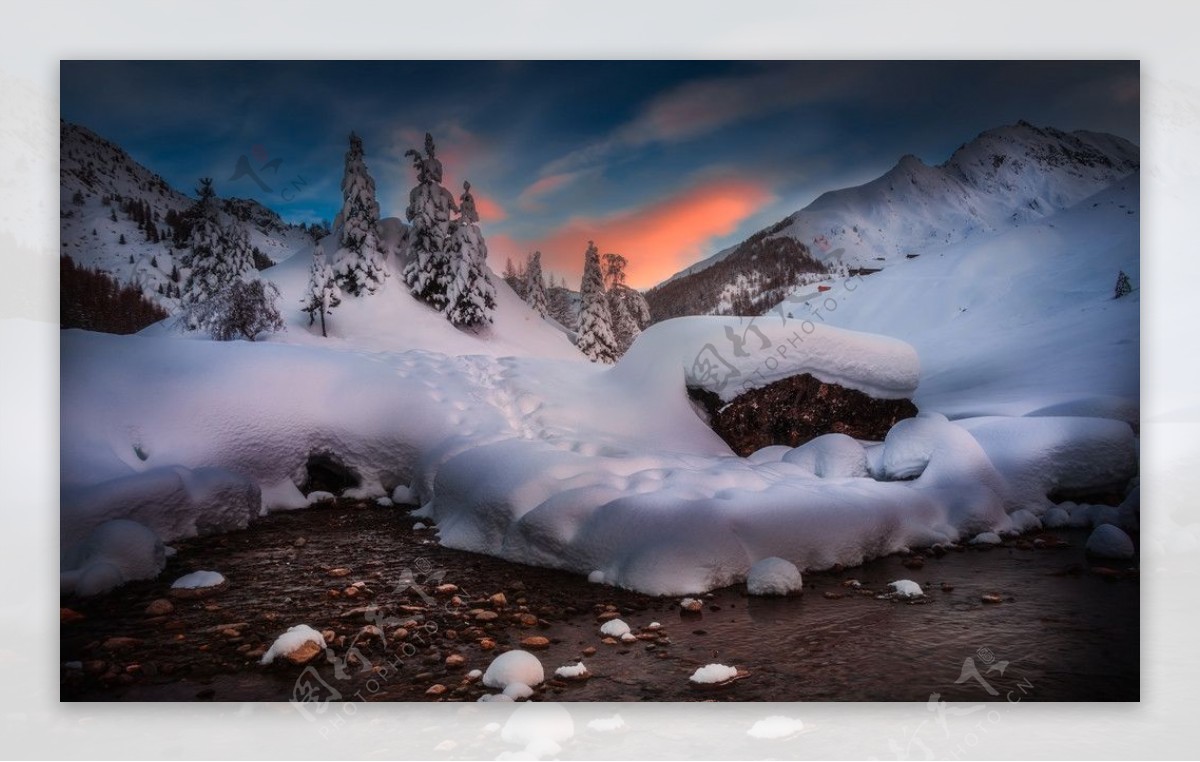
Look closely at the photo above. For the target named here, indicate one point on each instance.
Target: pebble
(535, 642)
(609, 641)
(487, 644)
(589, 651)
(991, 598)
(299, 542)
(832, 595)
(160, 607)
(445, 589)
(436, 689)
(120, 643)
(340, 571)
(498, 601)
(486, 616)
(455, 660)
(304, 653)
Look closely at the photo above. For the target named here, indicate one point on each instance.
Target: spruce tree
(322, 294)
(358, 265)
(1123, 286)
(535, 284)
(219, 257)
(430, 271)
(595, 338)
(471, 297)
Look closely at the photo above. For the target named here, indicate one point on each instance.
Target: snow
(291, 640)
(571, 671)
(731, 355)
(773, 576)
(713, 673)
(113, 553)
(614, 628)
(985, 538)
(596, 577)
(830, 456)
(475, 674)
(519, 667)
(1108, 541)
(906, 588)
(198, 579)
(517, 690)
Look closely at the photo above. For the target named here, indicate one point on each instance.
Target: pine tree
(121, 241)
(559, 304)
(1123, 286)
(535, 284)
(219, 257)
(629, 309)
(430, 272)
(358, 265)
(323, 293)
(514, 278)
(595, 338)
(471, 297)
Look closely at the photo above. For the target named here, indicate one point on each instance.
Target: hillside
(102, 190)
(1003, 178)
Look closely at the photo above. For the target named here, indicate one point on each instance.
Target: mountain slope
(100, 182)
(1003, 178)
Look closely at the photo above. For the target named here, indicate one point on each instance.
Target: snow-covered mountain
(100, 181)
(1002, 179)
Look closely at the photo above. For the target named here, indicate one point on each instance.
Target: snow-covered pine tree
(471, 297)
(629, 309)
(559, 303)
(430, 272)
(535, 284)
(595, 338)
(322, 294)
(204, 247)
(358, 264)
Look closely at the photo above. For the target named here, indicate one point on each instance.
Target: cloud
(658, 239)
(703, 106)
(530, 199)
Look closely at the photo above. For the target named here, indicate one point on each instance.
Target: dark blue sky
(665, 162)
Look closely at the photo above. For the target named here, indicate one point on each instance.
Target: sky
(664, 162)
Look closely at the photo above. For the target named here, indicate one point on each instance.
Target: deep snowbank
(557, 463)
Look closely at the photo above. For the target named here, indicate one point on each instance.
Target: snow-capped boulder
(773, 576)
(299, 645)
(511, 667)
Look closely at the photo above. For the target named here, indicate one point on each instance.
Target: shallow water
(1063, 631)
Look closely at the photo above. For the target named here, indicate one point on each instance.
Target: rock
(436, 689)
(454, 661)
(589, 651)
(120, 644)
(535, 642)
(445, 589)
(351, 592)
(498, 601)
(340, 571)
(66, 616)
(486, 616)
(946, 587)
(1108, 541)
(304, 653)
(796, 409)
(609, 641)
(773, 576)
(991, 598)
(160, 607)
(691, 605)
(915, 562)
(527, 620)
(832, 595)
(487, 644)
(299, 542)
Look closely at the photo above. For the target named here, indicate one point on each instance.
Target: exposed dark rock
(796, 409)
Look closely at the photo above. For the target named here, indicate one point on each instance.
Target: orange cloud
(489, 209)
(658, 240)
(529, 198)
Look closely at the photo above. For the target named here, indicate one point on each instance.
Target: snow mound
(906, 588)
(713, 673)
(517, 690)
(571, 671)
(198, 579)
(113, 553)
(606, 724)
(729, 356)
(1108, 541)
(514, 667)
(830, 456)
(291, 640)
(1056, 518)
(773, 576)
(614, 628)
